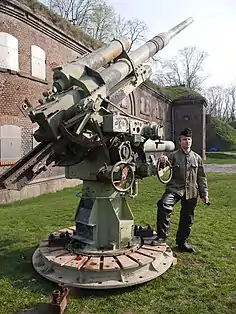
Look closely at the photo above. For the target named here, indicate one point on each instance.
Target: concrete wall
(38, 187)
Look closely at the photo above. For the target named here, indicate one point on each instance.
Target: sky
(213, 30)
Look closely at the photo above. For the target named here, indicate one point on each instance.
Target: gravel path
(220, 168)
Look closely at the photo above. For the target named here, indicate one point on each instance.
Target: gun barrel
(118, 71)
(93, 60)
(181, 26)
(106, 54)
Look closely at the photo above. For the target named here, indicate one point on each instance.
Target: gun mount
(84, 130)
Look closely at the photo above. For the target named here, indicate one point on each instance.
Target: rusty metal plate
(151, 253)
(159, 248)
(126, 262)
(141, 259)
(92, 264)
(109, 263)
(50, 256)
(78, 262)
(64, 259)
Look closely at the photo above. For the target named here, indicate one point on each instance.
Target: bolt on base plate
(87, 271)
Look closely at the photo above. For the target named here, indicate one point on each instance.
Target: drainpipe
(172, 124)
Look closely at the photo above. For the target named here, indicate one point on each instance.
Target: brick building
(32, 43)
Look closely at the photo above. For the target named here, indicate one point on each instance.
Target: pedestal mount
(134, 265)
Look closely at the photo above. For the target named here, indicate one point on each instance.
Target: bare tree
(230, 105)
(81, 13)
(99, 20)
(221, 101)
(100, 23)
(63, 7)
(76, 11)
(215, 96)
(134, 30)
(184, 69)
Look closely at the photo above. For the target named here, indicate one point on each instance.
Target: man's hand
(205, 200)
(163, 159)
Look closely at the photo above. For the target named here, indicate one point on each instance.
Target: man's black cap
(186, 132)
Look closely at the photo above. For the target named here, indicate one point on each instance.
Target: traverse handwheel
(163, 170)
(122, 176)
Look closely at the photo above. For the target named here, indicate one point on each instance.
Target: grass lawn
(200, 283)
(220, 158)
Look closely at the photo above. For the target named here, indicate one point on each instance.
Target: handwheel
(161, 171)
(123, 179)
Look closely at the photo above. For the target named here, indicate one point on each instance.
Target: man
(187, 182)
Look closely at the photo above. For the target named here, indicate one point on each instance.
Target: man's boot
(185, 247)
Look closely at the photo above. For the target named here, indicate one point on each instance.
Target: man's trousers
(164, 209)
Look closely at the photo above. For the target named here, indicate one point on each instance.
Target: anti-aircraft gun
(83, 128)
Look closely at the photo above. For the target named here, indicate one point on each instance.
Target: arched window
(145, 106)
(10, 144)
(9, 57)
(38, 64)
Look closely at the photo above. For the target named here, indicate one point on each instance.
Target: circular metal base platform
(88, 271)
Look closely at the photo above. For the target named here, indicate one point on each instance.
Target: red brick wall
(16, 86)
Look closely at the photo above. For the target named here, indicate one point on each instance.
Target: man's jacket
(188, 175)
